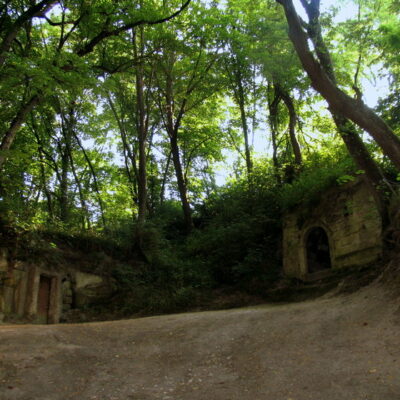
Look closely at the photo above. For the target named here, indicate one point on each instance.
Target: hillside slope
(334, 348)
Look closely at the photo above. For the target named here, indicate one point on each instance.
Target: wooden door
(44, 299)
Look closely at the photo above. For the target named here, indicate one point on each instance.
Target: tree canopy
(112, 110)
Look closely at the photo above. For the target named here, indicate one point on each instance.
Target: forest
(173, 135)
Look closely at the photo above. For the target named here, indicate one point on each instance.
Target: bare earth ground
(333, 348)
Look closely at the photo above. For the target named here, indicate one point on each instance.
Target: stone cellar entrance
(341, 229)
(317, 250)
(47, 294)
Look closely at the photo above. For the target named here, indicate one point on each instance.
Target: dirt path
(341, 348)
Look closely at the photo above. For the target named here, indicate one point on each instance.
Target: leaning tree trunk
(346, 128)
(339, 102)
(364, 161)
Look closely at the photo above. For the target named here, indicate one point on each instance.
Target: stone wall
(348, 215)
(3, 280)
(41, 294)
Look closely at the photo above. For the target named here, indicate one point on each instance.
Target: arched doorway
(317, 250)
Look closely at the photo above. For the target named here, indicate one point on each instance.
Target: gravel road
(332, 348)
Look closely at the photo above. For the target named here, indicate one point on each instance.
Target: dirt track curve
(338, 348)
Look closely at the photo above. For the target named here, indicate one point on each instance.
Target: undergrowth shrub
(239, 238)
(165, 281)
(320, 172)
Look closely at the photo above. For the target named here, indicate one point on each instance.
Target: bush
(319, 173)
(240, 233)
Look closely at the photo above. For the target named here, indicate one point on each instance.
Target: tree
(255, 52)
(184, 78)
(238, 70)
(339, 102)
(78, 30)
(346, 129)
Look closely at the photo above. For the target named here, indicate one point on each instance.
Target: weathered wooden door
(44, 299)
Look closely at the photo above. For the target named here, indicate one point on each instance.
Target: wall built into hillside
(348, 218)
(3, 278)
(41, 294)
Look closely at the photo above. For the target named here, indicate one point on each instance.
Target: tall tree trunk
(46, 190)
(95, 181)
(273, 103)
(339, 102)
(67, 127)
(64, 203)
(129, 155)
(292, 123)
(142, 133)
(164, 180)
(85, 210)
(43, 171)
(187, 212)
(241, 102)
(172, 129)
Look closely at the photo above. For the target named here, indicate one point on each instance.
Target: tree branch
(105, 34)
(34, 11)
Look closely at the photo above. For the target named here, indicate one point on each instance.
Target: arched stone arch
(317, 249)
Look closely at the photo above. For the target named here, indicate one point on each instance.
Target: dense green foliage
(140, 129)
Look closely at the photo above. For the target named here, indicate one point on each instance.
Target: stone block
(91, 289)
